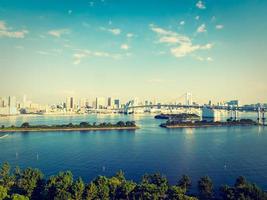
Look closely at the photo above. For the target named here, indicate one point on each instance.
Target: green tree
(77, 189)
(25, 125)
(153, 186)
(3, 192)
(240, 182)
(91, 192)
(5, 178)
(177, 193)
(28, 181)
(185, 182)
(120, 175)
(125, 190)
(84, 124)
(58, 186)
(102, 184)
(19, 197)
(114, 183)
(120, 123)
(205, 187)
(227, 193)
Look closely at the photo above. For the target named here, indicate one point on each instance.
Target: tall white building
(110, 102)
(70, 104)
(83, 103)
(100, 103)
(12, 102)
(8, 106)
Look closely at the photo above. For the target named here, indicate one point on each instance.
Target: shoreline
(206, 126)
(67, 129)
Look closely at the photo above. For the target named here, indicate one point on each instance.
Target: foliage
(30, 184)
(19, 197)
(242, 190)
(185, 182)
(205, 187)
(3, 192)
(27, 126)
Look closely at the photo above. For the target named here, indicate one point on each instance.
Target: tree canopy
(30, 183)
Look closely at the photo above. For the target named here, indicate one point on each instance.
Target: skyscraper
(70, 103)
(110, 102)
(100, 103)
(12, 102)
(117, 103)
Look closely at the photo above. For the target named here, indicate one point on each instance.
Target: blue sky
(156, 49)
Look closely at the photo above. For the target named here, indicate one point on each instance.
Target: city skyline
(50, 50)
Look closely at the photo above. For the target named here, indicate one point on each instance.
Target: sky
(151, 49)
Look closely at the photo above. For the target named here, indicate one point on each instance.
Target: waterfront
(222, 153)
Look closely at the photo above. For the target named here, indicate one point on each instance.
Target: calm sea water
(222, 153)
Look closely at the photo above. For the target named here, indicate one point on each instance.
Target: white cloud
(183, 44)
(7, 32)
(182, 23)
(78, 57)
(114, 31)
(50, 52)
(3, 25)
(84, 53)
(174, 39)
(197, 18)
(161, 31)
(202, 28)
(46, 53)
(199, 58)
(19, 47)
(209, 59)
(200, 5)
(59, 32)
(124, 47)
(219, 26)
(129, 35)
(207, 46)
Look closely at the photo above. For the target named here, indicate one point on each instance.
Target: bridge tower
(188, 99)
(236, 114)
(263, 116)
(259, 114)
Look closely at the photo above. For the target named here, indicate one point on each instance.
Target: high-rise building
(110, 102)
(70, 104)
(4, 102)
(83, 103)
(1, 102)
(12, 102)
(234, 103)
(100, 103)
(117, 103)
